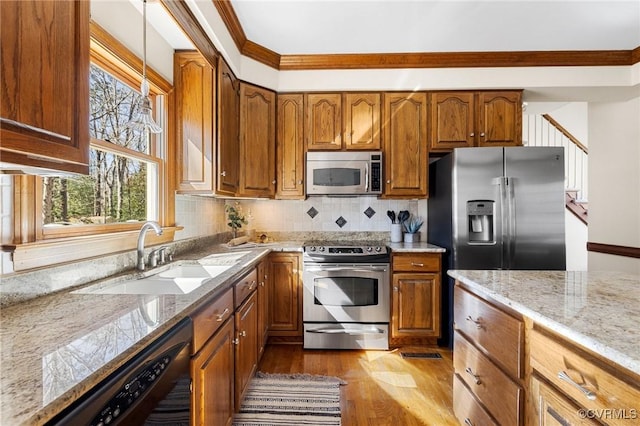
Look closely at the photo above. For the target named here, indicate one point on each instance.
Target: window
(127, 168)
(71, 218)
(123, 165)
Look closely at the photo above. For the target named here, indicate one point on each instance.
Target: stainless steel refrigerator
(497, 208)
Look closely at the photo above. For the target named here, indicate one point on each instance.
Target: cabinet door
(212, 376)
(499, 119)
(263, 306)
(193, 82)
(415, 305)
(362, 121)
(247, 346)
(228, 149)
(44, 75)
(405, 144)
(323, 119)
(285, 296)
(257, 141)
(551, 408)
(290, 147)
(452, 120)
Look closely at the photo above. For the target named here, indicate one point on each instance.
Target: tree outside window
(121, 164)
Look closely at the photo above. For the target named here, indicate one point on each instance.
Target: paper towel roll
(238, 241)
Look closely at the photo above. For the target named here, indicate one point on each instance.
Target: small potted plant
(235, 217)
(411, 227)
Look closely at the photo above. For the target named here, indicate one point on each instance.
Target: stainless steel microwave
(344, 173)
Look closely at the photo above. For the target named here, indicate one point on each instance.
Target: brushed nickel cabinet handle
(236, 341)
(468, 422)
(482, 135)
(223, 173)
(472, 134)
(243, 333)
(591, 396)
(477, 322)
(221, 316)
(476, 378)
(395, 288)
(252, 284)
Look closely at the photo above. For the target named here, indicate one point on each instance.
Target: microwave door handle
(366, 177)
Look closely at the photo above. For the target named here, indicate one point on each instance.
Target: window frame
(36, 246)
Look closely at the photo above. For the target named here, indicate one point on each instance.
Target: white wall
(614, 181)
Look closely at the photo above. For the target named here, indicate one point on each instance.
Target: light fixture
(144, 120)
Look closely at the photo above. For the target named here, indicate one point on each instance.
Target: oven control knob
(378, 249)
(369, 249)
(320, 248)
(312, 249)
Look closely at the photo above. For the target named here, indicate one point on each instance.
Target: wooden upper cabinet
(467, 119)
(290, 147)
(452, 120)
(195, 125)
(405, 144)
(362, 121)
(44, 76)
(257, 141)
(500, 118)
(323, 121)
(228, 147)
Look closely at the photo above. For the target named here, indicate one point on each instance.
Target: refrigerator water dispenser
(480, 219)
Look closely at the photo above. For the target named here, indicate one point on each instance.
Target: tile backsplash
(327, 214)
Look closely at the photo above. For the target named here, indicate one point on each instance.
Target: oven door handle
(330, 330)
(347, 269)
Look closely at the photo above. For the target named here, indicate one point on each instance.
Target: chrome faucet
(143, 231)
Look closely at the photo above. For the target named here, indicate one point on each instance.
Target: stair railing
(543, 130)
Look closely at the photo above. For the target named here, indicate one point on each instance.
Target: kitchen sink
(178, 279)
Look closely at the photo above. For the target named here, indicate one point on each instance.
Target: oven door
(346, 293)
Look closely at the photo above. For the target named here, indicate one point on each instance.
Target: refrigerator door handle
(505, 186)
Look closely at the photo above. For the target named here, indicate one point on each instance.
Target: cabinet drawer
(497, 392)
(244, 287)
(465, 407)
(552, 408)
(492, 329)
(416, 262)
(550, 358)
(208, 319)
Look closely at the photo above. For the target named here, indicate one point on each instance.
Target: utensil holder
(396, 233)
(411, 238)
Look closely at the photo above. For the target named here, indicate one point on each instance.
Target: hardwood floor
(382, 387)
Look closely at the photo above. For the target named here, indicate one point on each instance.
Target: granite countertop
(55, 348)
(599, 311)
(415, 248)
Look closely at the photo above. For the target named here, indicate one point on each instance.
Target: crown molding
(192, 28)
(456, 60)
(570, 58)
(635, 55)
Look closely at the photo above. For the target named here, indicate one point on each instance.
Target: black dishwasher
(152, 388)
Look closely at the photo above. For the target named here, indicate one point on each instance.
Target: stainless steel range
(346, 295)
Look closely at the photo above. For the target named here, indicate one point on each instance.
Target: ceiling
(290, 27)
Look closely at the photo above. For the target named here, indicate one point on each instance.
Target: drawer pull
(251, 285)
(476, 378)
(243, 333)
(221, 316)
(236, 341)
(468, 422)
(477, 322)
(591, 396)
(417, 264)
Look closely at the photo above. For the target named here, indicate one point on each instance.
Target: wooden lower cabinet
(416, 295)
(246, 351)
(553, 408)
(212, 376)
(488, 357)
(285, 295)
(466, 408)
(263, 306)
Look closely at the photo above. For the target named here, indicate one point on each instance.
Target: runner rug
(291, 399)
